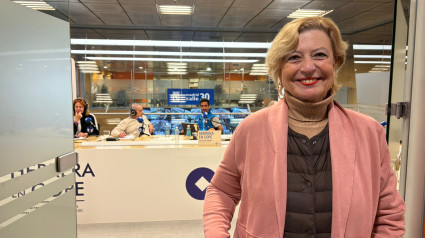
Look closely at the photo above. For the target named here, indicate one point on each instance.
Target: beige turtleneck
(308, 119)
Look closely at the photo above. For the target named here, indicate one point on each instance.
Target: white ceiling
(360, 21)
(235, 20)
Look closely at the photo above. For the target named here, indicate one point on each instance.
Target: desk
(136, 181)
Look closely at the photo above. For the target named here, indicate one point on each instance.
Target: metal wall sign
(177, 96)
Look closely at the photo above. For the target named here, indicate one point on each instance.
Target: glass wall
(111, 77)
(145, 62)
(144, 73)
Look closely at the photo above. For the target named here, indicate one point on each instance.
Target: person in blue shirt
(207, 121)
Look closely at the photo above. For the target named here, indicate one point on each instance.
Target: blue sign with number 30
(177, 96)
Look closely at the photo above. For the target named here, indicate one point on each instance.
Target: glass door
(405, 131)
(37, 181)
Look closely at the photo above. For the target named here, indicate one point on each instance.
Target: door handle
(66, 161)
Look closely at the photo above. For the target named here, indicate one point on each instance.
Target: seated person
(85, 123)
(135, 125)
(211, 121)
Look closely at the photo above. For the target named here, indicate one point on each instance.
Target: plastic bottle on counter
(188, 132)
(167, 129)
(176, 133)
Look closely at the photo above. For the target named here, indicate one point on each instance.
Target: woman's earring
(279, 88)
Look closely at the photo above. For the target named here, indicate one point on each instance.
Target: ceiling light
(208, 69)
(372, 47)
(36, 5)
(300, 13)
(176, 70)
(173, 60)
(261, 67)
(166, 53)
(88, 67)
(90, 71)
(162, 43)
(258, 69)
(86, 62)
(382, 66)
(173, 72)
(175, 9)
(372, 62)
(177, 66)
(375, 71)
(373, 56)
(380, 69)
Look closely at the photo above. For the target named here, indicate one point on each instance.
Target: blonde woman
(315, 169)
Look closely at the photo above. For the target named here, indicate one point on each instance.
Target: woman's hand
(82, 134)
(78, 116)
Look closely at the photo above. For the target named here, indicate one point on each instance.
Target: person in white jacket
(135, 125)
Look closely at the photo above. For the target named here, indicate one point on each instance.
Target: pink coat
(365, 201)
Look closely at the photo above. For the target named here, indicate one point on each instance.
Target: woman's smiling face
(309, 72)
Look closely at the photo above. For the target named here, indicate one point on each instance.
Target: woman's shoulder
(361, 120)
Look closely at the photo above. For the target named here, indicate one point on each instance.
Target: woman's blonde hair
(286, 42)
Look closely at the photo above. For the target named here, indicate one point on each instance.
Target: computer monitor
(193, 127)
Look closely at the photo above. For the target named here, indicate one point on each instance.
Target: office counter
(155, 179)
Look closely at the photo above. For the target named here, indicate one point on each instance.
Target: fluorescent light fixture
(90, 71)
(86, 62)
(174, 72)
(375, 71)
(163, 43)
(175, 9)
(300, 13)
(372, 56)
(258, 68)
(88, 68)
(372, 62)
(382, 66)
(36, 5)
(167, 53)
(173, 60)
(372, 47)
(177, 64)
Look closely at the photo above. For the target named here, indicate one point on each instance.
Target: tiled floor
(174, 229)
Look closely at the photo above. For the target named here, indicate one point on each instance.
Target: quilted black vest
(309, 194)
